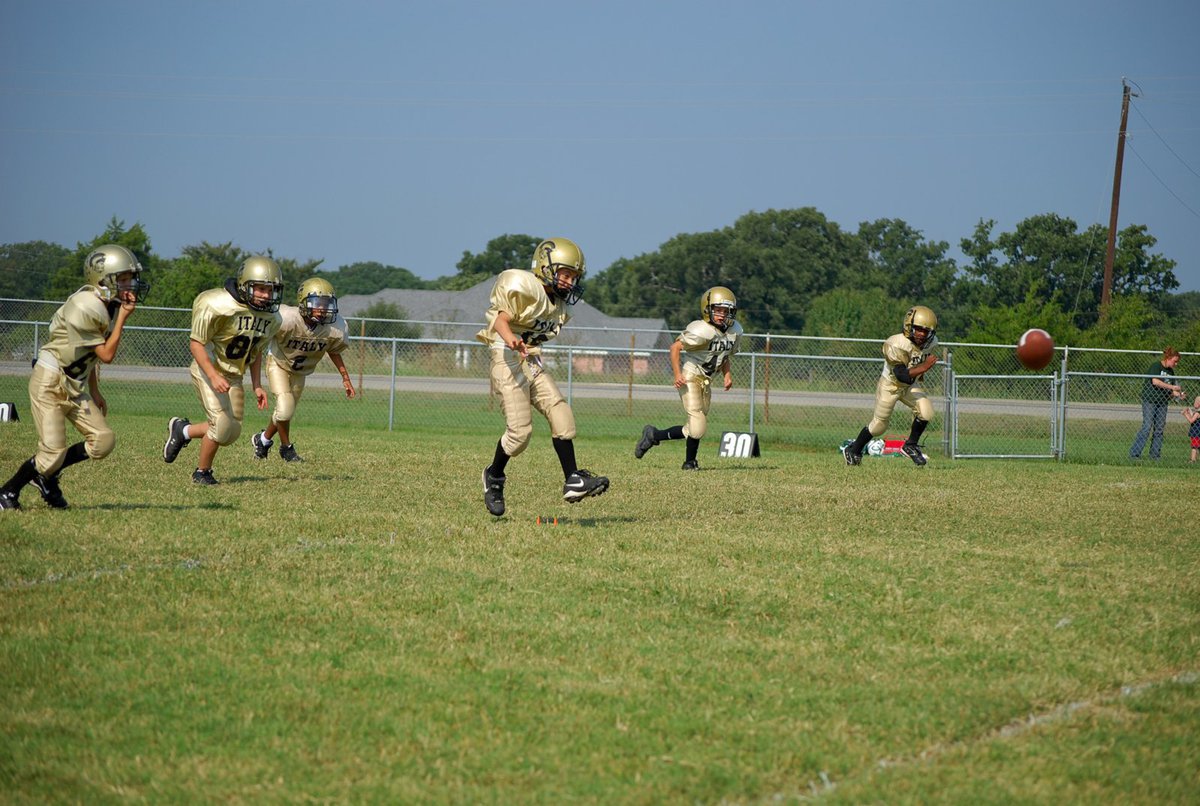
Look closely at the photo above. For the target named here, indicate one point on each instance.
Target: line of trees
(794, 271)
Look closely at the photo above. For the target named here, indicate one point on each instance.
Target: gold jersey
(298, 348)
(233, 334)
(536, 318)
(706, 348)
(900, 351)
(77, 328)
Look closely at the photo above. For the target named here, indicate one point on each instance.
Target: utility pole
(1106, 289)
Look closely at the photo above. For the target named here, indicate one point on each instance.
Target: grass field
(786, 629)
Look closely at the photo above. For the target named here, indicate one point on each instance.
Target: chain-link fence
(807, 392)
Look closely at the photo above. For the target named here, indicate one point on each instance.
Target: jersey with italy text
(233, 334)
(298, 348)
(78, 327)
(706, 347)
(899, 350)
(536, 318)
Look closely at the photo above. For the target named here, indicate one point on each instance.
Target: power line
(1164, 142)
(1161, 182)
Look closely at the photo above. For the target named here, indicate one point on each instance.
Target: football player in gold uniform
(309, 330)
(231, 327)
(65, 385)
(528, 308)
(907, 356)
(705, 347)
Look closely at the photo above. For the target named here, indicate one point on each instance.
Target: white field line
(1018, 727)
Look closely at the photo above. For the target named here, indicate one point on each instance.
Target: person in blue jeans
(1157, 391)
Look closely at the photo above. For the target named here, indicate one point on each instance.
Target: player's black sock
(23, 476)
(860, 441)
(565, 449)
(918, 428)
(693, 445)
(674, 432)
(75, 454)
(499, 461)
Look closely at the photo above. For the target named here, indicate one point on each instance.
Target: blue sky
(408, 132)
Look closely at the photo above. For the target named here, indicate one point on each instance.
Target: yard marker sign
(738, 445)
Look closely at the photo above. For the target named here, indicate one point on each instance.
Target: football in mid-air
(1035, 349)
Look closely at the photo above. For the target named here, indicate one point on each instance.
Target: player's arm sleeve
(86, 327)
(691, 340)
(506, 297)
(202, 324)
(337, 341)
(902, 374)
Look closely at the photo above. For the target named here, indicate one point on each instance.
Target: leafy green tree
(870, 313)
(1047, 256)
(1130, 318)
(504, 252)
(369, 277)
(782, 259)
(775, 261)
(391, 329)
(668, 282)
(205, 265)
(67, 277)
(200, 267)
(1004, 324)
(904, 264)
(294, 273)
(26, 268)
(1136, 271)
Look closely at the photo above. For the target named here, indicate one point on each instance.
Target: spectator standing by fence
(1157, 391)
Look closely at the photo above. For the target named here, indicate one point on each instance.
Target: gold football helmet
(718, 300)
(552, 256)
(260, 271)
(919, 316)
(317, 302)
(103, 265)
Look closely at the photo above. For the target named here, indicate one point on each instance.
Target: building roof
(458, 315)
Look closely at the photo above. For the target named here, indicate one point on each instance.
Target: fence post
(767, 384)
(950, 435)
(752, 382)
(362, 355)
(1062, 406)
(392, 395)
(571, 377)
(629, 397)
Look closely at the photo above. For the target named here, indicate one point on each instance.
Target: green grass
(357, 628)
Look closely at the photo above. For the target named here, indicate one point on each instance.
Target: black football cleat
(288, 454)
(177, 438)
(9, 500)
(646, 442)
(913, 452)
(262, 445)
(204, 477)
(493, 492)
(583, 484)
(853, 457)
(690, 464)
(51, 492)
